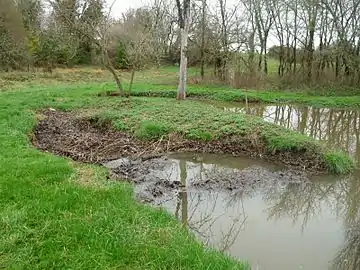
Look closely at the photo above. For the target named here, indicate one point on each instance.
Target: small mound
(91, 140)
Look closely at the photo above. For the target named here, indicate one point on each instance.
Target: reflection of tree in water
(303, 201)
(348, 257)
(300, 201)
(189, 204)
(339, 128)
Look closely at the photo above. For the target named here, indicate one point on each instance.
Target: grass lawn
(162, 82)
(59, 214)
(162, 85)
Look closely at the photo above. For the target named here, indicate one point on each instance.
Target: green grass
(151, 130)
(162, 82)
(56, 214)
(237, 95)
(152, 118)
(338, 162)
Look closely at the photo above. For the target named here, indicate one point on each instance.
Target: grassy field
(163, 83)
(59, 214)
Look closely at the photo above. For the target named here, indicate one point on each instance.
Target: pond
(336, 127)
(279, 225)
(271, 216)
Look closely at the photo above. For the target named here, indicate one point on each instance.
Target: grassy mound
(153, 118)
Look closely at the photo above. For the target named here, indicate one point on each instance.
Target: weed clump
(338, 162)
(195, 134)
(149, 130)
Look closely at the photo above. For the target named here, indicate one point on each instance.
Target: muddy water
(273, 218)
(338, 128)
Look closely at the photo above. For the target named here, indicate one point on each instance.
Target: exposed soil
(144, 162)
(86, 140)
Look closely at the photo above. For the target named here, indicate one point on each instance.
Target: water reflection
(339, 128)
(312, 225)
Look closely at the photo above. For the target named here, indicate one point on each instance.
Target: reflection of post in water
(303, 120)
(182, 196)
(357, 135)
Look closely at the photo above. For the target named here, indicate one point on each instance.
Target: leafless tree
(94, 28)
(184, 23)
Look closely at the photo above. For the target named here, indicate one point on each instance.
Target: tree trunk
(202, 49)
(183, 62)
(110, 68)
(131, 80)
(107, 64)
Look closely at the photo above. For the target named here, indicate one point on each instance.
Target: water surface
(281, 226)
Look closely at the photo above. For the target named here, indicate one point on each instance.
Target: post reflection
(201, 210)
(242, 221)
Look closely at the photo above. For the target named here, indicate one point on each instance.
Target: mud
(154, 183)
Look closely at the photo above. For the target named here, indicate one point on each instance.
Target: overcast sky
(121, 6)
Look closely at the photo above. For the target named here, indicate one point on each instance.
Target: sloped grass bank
(156, 118)
(57, 215)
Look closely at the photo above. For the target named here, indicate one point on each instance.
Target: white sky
(121, 6)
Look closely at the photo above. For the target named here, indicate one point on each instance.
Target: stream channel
(260, 212)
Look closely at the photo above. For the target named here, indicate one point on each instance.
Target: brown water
(338, 128)
(278, 226)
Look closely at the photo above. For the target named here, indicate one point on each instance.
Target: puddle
(273, 217)
(338, 128)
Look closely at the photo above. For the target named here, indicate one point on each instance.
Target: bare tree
(12, 36)
(95, 28)
(136, 30)
(184, 23)
(203, 28)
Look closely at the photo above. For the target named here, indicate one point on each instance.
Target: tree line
(297, 42)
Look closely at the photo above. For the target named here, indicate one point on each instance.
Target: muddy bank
(146, 164)
(156, 181)
(86, 140)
